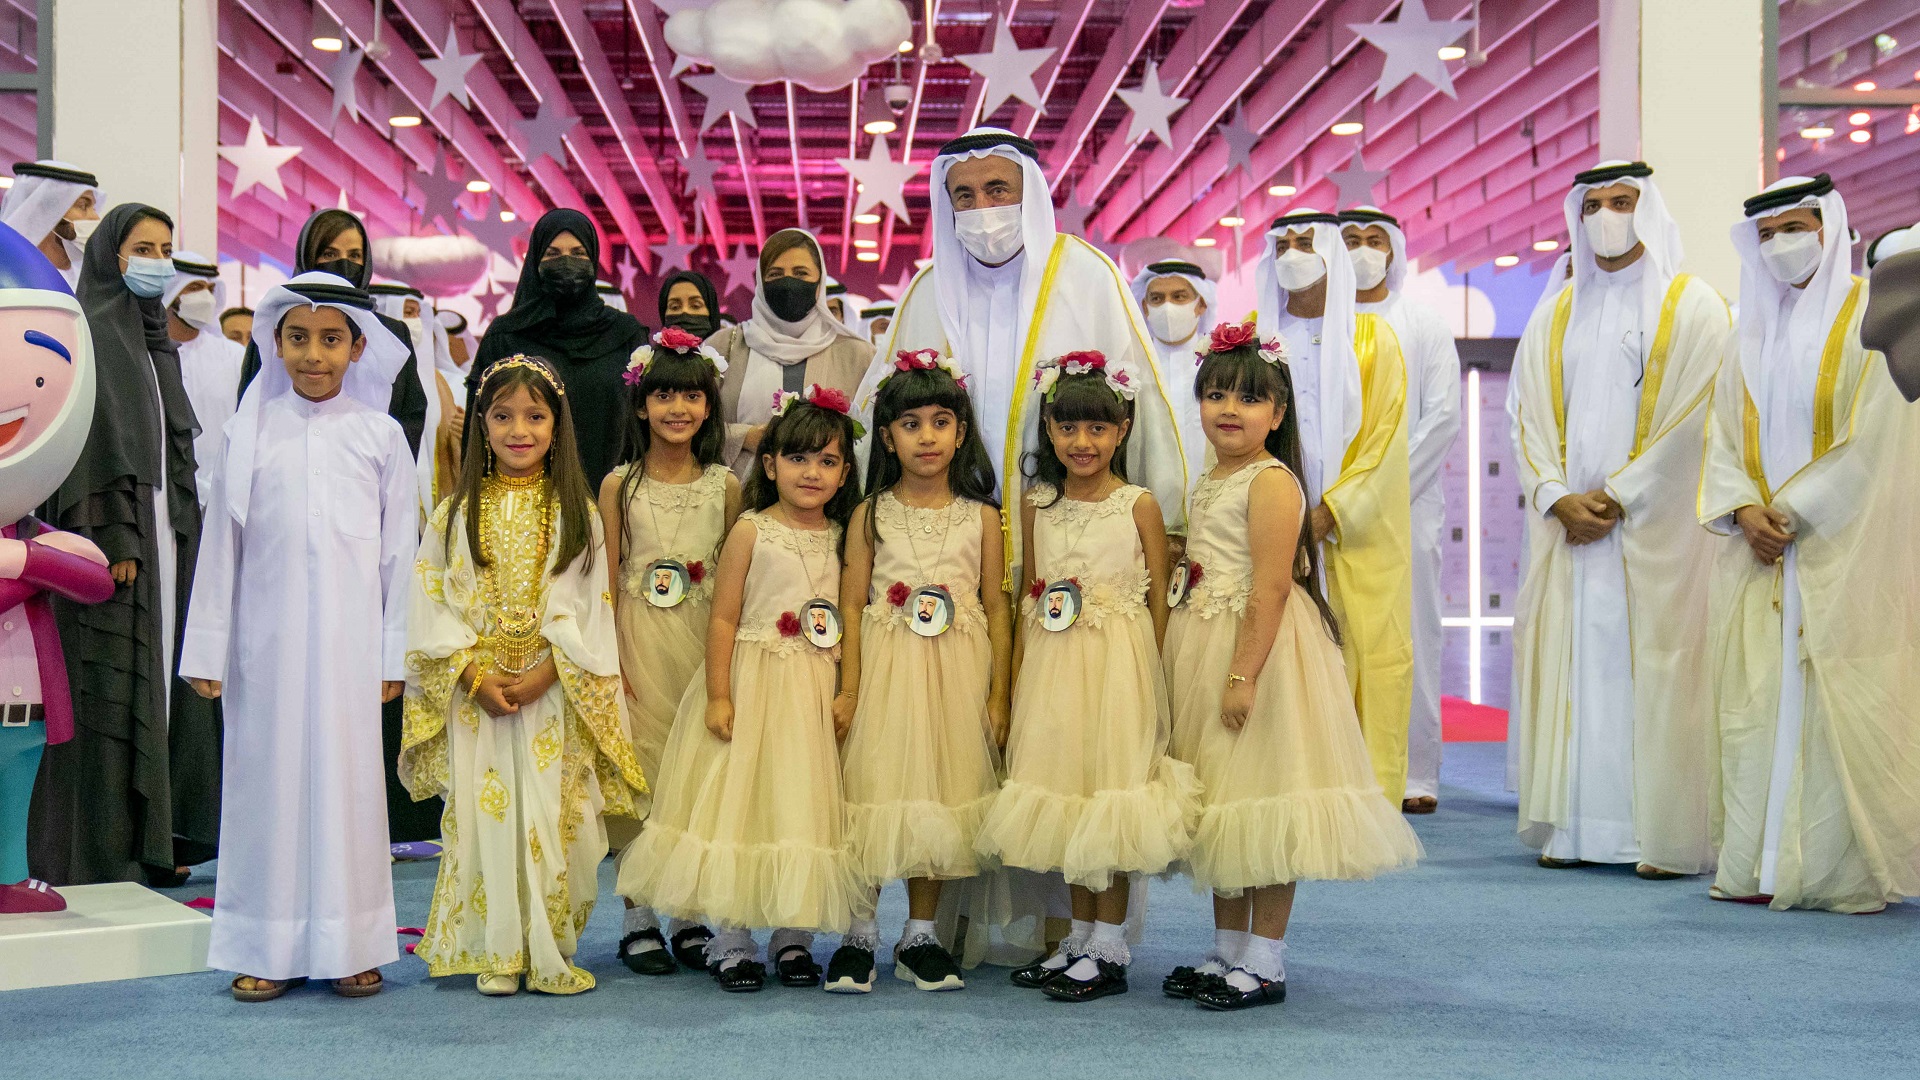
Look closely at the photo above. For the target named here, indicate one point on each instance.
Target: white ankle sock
(788, 940)
(1071, 946)
(729, 947)
(635, 920)
(1227, 947)
(674, 926)
(1263, 958)
(863, 934)
(1109, 943)
(918, 932)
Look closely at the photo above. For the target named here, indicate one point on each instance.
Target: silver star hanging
(742, 270)
(1412, 44)
(627, 270)
(1356, 182)
(1008, 70)
(723, 96)
(541, 133)
(880, 179)
(490, 301)
(899, 288)
(254, 162)
(439, 192)
(449, 71)
(1152, 107)
(1072, 217)
(700, 172)
(1240, 140)
(497, 235)
(346, 64)
(670, 256)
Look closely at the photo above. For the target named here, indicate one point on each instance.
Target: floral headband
(674, 340)
(823, 397)
(925, 360)
(1228, 337)
(1084, 362)
(531, 363)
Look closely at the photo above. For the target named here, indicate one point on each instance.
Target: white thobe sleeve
(1537, 439)
(204, 645)
(1438, 388)
(399, 536)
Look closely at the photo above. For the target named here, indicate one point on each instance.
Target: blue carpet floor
(1477, 964)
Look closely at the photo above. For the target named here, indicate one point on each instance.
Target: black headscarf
(587, 343)
(707, 293)
(131, 352)
(330, 224)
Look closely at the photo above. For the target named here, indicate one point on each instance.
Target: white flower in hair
(1047, 373)
(674, 340)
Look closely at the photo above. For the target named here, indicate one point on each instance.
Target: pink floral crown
(1046, 374)
(1227, 337)
(925, 360)
(674, 340)
(823, 397)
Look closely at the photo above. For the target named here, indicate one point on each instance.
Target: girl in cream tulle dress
(1261, 706)
(925, 678)
(1090, 792)
(667, 512)
(748, 822)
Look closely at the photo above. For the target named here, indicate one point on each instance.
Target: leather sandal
(274, 988)
(348, 988)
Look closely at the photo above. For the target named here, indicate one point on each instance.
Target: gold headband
(531, 363)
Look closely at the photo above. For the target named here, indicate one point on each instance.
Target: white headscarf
(1193, 276)
(773, 338)
(951, 260)
(35, 204)
(369, 380)
(189, 267)
(1652, 224)
(1339, 391)
(1762, 296)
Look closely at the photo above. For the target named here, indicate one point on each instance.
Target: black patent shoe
(689, 946)
(1183, 982)
(745, 977)
(1111, 980)
(928, 967)
(651, 962)
(1222, 996)
(797, 967)
(1035, 975)
(850, 971)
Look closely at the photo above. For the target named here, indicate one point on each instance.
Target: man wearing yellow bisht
(1816, 628)
(1350, 392)
(1005, 290)
(1612, 700)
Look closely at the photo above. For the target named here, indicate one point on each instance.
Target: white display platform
(108, 932)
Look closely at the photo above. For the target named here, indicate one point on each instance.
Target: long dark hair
(806, 429)
(1083, 399)
(969, 474)
(567, 476)
(675, 373)
(1242, 371)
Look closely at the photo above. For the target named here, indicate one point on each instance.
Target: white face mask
(1610, 233)
(1173, 323)
(196, 309)
(1296, 270)
(1792, 257)
(990, 234)
(1369, 266)
(83, 228)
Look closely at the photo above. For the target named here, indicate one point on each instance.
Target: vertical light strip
(1473, 534)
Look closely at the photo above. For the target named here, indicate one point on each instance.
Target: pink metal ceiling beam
(1137, 27)
(1517, 177)
(1068, 20)
(1514, 236)
(647, 19)
(744, 146)
(906, 154)
(1813, 32)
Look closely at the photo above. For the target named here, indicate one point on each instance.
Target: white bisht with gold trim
(1818, 655)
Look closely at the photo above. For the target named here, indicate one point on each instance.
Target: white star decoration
(541, 133)
(497, 235)
(899, 288)
(342, 204)
(1356, 182)
(254, 162)
(439, 192)
(1152, 106)
(1008, 70)
(1240, 140)
(700, 172)
(345, 66)
(1412, 44)
(449, 72)
(881, 180)
(628, 270)
(1072, 217)
(723, 96)
(673, 256)
(742, 270)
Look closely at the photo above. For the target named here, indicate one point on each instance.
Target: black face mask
(701, 325)
(346, 268)
(568, 277)
(791, 297)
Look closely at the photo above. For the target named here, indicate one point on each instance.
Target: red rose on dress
(789, 624)
(678, 340)
(827, 397)
(897, 594)
(1038, 587)
(696, 572)
(1194, 574)
(1229, 336)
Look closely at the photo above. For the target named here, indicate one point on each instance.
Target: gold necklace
(517, 645)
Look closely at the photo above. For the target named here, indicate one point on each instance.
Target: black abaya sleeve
(409, 402)
(249, 367)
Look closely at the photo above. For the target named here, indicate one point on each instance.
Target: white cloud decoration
(819, 44)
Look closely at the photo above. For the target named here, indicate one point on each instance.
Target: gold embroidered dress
(525, 793)
(1292, 794)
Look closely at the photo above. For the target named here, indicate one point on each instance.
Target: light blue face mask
(148, 278)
